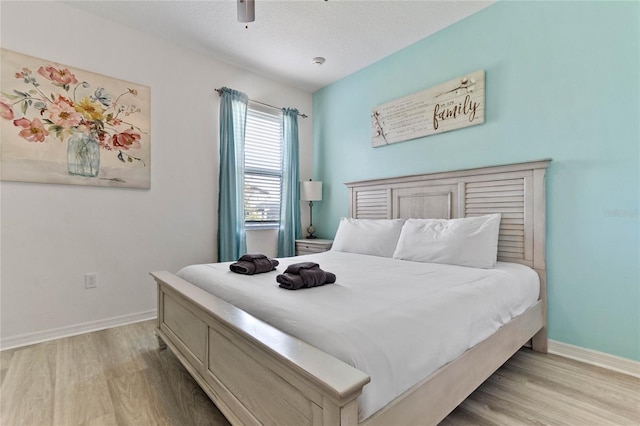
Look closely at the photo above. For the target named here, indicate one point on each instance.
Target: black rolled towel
(310, 277)
(250, 264)
(296, 267)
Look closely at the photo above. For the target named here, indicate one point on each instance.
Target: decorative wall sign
(65, 125)
(452, 105)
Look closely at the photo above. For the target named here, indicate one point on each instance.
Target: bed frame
(257, 374)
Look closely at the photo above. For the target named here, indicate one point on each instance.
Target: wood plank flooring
(120, 377)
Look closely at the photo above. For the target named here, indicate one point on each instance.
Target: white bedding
(397, 321)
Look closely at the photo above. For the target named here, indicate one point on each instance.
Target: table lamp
(311, 191)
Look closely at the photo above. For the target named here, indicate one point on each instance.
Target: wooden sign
(452, 105)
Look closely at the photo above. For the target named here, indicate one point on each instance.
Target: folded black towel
(308, 277)
(250, 264)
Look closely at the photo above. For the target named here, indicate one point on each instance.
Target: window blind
(262, 168)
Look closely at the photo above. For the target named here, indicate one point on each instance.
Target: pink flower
(63, 114)
(61, 76)
(25, 71)
(33, 131)
(5, 109)
(126, 140)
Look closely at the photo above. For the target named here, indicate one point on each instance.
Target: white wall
(53, 234)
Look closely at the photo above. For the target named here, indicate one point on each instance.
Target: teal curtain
(232, 241)
(290, 228)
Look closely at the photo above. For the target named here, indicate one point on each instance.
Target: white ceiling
(286, 35)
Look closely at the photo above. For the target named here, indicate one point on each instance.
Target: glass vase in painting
(83, 155)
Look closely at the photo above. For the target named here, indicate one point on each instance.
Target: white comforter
(397, 321)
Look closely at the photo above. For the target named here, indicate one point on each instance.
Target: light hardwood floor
(120, 377)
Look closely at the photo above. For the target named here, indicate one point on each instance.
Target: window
(262, 169)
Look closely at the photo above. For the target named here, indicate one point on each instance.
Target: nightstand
(312, 246)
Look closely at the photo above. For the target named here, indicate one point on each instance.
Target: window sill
(260, 226)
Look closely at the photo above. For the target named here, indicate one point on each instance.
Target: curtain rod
(265, 104)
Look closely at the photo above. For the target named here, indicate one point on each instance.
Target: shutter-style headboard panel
(517, 191)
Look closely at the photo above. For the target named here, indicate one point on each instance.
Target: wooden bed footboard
(254, 373)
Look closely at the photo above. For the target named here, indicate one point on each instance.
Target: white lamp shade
(311, 190)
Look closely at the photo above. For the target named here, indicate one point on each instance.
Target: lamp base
(311, 229)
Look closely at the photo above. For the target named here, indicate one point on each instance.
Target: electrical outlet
(91, 280)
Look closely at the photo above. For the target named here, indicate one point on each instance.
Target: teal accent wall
(562, 82)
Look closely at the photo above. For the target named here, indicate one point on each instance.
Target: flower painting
(60, 124)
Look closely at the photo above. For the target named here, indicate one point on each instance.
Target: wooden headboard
(517, 191)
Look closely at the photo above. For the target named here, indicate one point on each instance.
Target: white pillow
(377, 237)
(471, 241)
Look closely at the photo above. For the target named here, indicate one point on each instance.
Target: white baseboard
(73, 330)
(600, 359)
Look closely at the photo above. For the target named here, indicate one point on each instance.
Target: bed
(258, 374)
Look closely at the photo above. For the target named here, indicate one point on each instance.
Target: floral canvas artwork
(60, 124)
